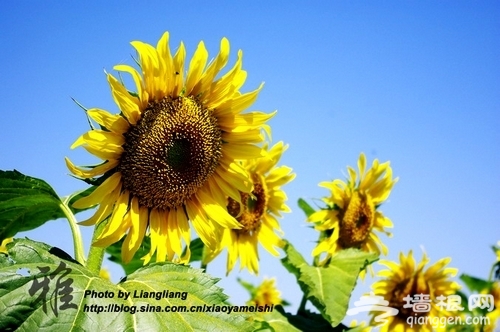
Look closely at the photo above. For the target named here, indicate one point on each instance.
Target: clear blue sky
(413, 82)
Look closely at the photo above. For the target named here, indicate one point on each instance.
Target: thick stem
(96, 254)
(302, 306)
(75, 231)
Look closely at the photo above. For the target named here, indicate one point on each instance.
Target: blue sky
(416, 83)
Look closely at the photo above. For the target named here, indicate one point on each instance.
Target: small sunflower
(257, 212)
(173, 153)
(405, 280)
(266, 294)
(352, 214)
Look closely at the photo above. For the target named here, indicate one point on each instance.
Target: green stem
(490, 277)
(302, 306)
(203, 264)
(96, 254)
(75, 231)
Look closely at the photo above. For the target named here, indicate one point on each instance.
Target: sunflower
(352, 214)
(404, 282)
(266, 294)
(173, 153)
(257, 212)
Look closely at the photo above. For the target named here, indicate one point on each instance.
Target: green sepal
(308, 210)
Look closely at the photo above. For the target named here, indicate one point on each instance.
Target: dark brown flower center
(414, 293)
(254, 207)
(171, 152)
(357, 221)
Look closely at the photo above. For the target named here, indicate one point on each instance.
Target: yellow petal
(105, 152)
(148, 57)
(173, 234)
(99, 193)
(235, 104)
(245, 121)
(117, 224)
(157, 219)
(242, 151)
(201, 225)
(216, 212)
(179, 58)
(93, 172)
(196, 67)
(138, 222)
(128, 104)
(100, 139)
(105, 208)
(213, 69)
(115, 123)
(166, 65)
(137, 80)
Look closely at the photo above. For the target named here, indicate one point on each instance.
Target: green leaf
(281, 321)
(196, 247)
(308, 210)
(75, 299)
(328, 288)
(25, 203)
(475, 284)
(115, 252)
(275, 321)
(248, 286)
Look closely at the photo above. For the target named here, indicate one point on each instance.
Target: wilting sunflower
(405, 284)
(173, 152)
(257, 212)
(352, 216)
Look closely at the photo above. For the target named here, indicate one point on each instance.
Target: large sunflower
(257, 212)
(172, 153)
(404, 281)
(351, 215)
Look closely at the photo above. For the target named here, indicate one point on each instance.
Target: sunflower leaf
(308, 210)
(196, 247)
(328, 288)
(281, 321)
(40, 291)
(25, 203)
(475, 284)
